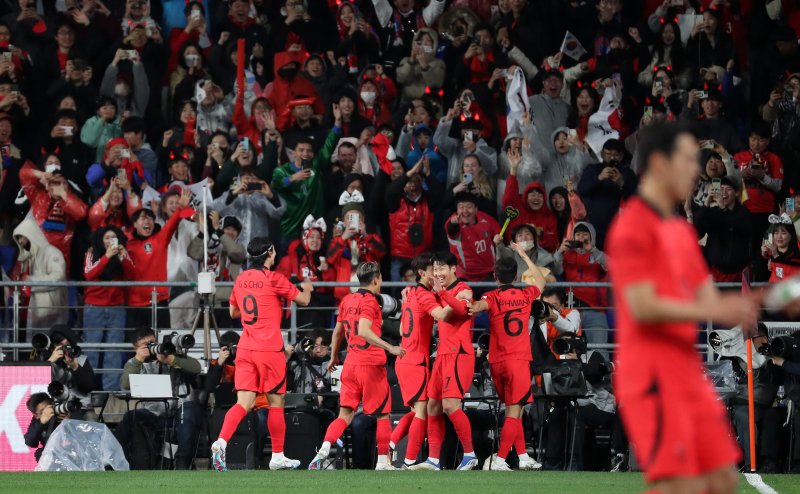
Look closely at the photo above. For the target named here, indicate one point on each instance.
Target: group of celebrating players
(662, 289)
(430, 392)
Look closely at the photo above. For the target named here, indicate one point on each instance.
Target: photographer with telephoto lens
(43, 423)
(73, 378)
(167, 357)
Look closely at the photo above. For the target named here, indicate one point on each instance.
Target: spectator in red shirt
(470, 233)
(762, 173)
(113, 208)
(54, 205)
(104, 311)
(532, 206)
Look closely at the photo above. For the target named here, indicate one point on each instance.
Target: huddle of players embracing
(429, 392)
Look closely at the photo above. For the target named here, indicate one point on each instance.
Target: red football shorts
(262, 372)
(512, 380)
(365, 384)
(679, 432)
(451, 376)
(413, 376)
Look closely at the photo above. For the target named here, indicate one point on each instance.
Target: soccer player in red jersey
(662, 289)
(257, 298)
(454, 366)
(364, 374)
(510, 353)
(420, 309)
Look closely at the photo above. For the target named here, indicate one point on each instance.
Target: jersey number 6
(512, 322)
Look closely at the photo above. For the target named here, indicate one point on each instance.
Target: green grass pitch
(350, 482)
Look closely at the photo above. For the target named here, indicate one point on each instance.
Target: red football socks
(507, 437)
(402, 427)
(416, 435)
(231, 422)
(435, 435)
(382, 434)
(463, 429)
(276, 423)
(335, 430)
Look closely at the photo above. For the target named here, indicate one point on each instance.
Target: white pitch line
(758, 484)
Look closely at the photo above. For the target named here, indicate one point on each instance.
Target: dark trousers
(768, 432)
(186, 419)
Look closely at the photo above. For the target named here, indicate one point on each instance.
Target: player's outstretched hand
(397, 351)
(735, 310)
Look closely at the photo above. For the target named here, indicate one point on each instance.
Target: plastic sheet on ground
(77, 446)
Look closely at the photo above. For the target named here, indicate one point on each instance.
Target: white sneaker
(496, 463)
(284, 464)
(425, 465)
(529, 464)
(385, 466)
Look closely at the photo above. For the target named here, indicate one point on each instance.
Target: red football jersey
(644, 247)
(509, 316)
(474, 248)
(416, 322)
(355, 306)
(455, 335)
(259, 295)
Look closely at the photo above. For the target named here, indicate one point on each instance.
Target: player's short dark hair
(445, 258)
(421, 263)
(367, 272)
(141, 333)
(505, 270)
(36, 399)
(659, 138)
(259, 249)
(555, 292)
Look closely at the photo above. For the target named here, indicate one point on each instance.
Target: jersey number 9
(250, 308)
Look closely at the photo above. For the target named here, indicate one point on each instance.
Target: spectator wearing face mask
(728, 226)
(130, 89)
(353, 123)
(54, 204)
(527, 237)
(531, 205)
(195, 31)
(421, 69)
(603, 187)
(371, 103)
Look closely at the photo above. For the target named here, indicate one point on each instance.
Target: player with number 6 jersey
(510, 352)
(420, 308)
(258, 297)
(364, 378)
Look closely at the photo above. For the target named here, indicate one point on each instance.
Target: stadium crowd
(376, 130)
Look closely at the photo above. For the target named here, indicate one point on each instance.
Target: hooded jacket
(543, 219)
(281, 90)
(57, 218)
(530, 168)
(556, 166)
(413, 79)
(42, 262)
(581, 266)
(453, 150)
(403, 214)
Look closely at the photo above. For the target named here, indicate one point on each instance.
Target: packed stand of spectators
(375, 130)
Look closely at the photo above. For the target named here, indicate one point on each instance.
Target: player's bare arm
(464, 295)
(234, 312)
(478, 307)
(442, 313)
(538, 279)
(365, 331)
(304, 297)
(336, 341)
(649, 307)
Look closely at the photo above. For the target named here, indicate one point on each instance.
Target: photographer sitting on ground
(71, 369)
(182, 371)
(43, 423)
